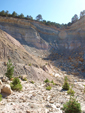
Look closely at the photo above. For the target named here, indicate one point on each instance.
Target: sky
(59, 11)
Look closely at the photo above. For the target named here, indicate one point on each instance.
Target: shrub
(72, 106)
(53, 82)
(16, 84)
(48, 88)
(29, 64)
(17, 87)
(0, 97)
(16, 81)
(19, 76)
(10, 70)
(65, 85)
(65, 78)
(70, 91)
(46, 63)
(32, 82)
(46, 81)
(25, 79)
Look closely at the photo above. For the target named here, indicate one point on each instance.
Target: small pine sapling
(72, 106)
(65, 85)
(10, 70)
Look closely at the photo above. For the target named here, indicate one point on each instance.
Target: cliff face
(69, 39)
(33, 34)
(23, 31)
(63, 44)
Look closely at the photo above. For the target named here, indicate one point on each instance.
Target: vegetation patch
(65, 85)
(71, 92)
(53, 82)
(25, 79)
(10, 70)
(46, 80)
(32, 82)
(19, 76)
(16, 84)
(30, 64)
(48, 88)
(72, 106)
(0, 97)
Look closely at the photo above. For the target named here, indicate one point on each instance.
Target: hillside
(64, 47)
(24, 62)
(11, 48)
(39, 52)
(40, 36)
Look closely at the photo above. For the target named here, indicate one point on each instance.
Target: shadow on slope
(70, 61)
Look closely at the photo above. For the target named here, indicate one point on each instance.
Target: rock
(23, 76)
(4, 79)
(12, 79)
(9, 100)
(59, 84)
(48, 84)
(28, 111)
(1, 82)
(48, 68)
(48, 106)
(45, 68)
(5, 63)
(57, 105)
(6, 89)
(23, 99)
(51, 102)
(8, 82)
(81, 59)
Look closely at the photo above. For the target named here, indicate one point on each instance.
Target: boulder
(45, 68)
(23, 76)
(5, 79)
(6, 89)
(1, 82)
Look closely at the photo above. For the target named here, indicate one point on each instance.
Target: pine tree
(10, 70)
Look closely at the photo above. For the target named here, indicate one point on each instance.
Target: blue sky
(59, 11)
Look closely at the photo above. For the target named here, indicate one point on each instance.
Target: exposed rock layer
(63, 44)
(34, 34)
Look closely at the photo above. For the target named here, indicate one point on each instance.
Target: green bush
(19, 76)
(16, 81)
(46, 80)
(10, 70)
(16, 84)
(17, 87)
(53, 82)
(25, 79)
(48, 88)
(0, 97)
(65, 85)
(32, 82)
(30, 64)
(46, 63)
(71, 92)
(72, 106)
